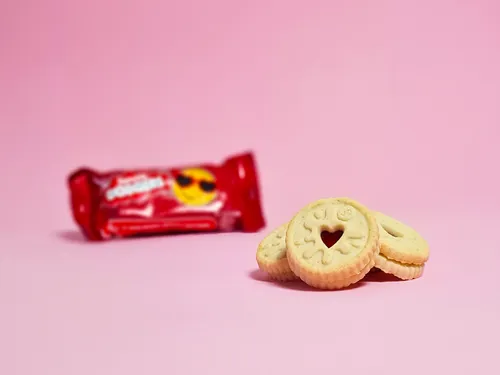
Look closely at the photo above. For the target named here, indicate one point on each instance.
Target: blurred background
(394, 103)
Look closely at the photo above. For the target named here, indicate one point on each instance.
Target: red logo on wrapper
(209, 197)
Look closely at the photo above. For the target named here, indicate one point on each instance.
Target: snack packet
(192, 198)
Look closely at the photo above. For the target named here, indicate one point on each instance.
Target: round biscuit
(400, 270)
(342, 264)
(271, 255)
(400, 242)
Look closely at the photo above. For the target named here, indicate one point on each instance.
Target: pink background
(394, 103)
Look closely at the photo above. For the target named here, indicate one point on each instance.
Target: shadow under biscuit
(379, 276)
(298, 285)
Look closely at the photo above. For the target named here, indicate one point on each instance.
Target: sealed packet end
(244, 170)
(82, 202)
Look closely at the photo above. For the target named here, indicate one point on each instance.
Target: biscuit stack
(334, 242)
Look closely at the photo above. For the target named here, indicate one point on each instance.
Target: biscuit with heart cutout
(349, 259)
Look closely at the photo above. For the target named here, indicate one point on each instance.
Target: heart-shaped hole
(331, 238)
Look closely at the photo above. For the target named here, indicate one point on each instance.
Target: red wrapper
(208, 197)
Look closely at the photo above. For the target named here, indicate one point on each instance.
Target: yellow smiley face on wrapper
(194, 187)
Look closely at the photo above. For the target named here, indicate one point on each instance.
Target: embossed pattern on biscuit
(273, 246)
(339, 217)
(271, 255)
(346, 261)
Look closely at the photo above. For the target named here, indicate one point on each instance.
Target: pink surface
(394, 103)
